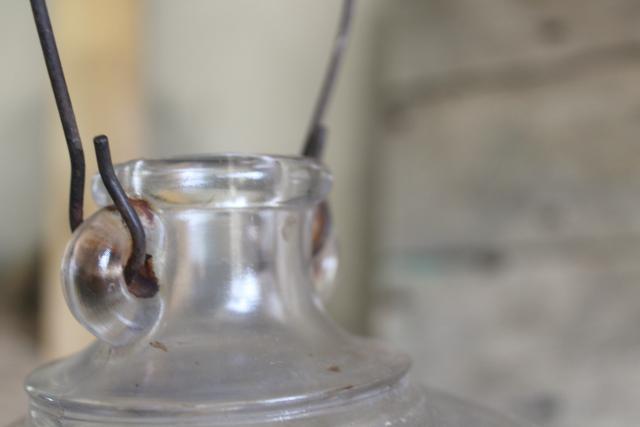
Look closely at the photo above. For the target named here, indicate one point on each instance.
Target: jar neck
(237, 261)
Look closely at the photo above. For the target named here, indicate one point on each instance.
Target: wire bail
(313, 145)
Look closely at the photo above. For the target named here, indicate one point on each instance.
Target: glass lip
(222, 181)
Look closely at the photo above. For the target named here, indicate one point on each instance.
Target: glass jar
(227, 326)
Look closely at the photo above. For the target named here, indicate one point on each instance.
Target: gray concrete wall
(509, 203)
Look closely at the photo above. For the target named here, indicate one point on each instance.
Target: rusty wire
(317, 133)
(313, 145)
(132, 220)
(65, 109)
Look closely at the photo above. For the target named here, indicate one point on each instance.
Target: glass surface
(237, 334)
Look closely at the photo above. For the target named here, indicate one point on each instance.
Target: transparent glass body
(236, 334)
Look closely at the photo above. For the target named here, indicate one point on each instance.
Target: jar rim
(222, 181)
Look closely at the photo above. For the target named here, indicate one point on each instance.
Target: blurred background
(486, 170)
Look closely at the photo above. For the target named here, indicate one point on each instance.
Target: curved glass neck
(232, 232)
(226, 181)
(230, 235)
(231, 263)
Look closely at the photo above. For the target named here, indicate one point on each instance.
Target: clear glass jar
(236, 334)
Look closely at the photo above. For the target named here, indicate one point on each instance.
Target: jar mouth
(224, 181)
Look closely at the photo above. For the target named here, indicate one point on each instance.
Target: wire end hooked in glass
(123, 205)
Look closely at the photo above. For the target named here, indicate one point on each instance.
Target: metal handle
(316, 136)
(313, 146)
